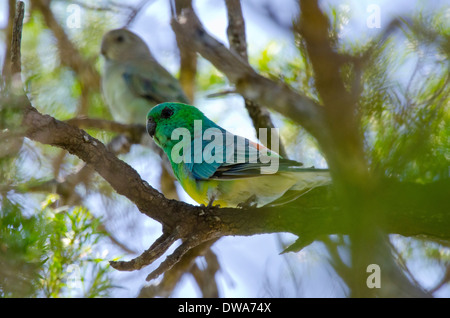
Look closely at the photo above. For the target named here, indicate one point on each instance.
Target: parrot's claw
(249, 203)
(211, 202)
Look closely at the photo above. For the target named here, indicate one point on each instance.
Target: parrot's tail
(307, 179)
(310, 178)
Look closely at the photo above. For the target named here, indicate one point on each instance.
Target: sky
(250, 266)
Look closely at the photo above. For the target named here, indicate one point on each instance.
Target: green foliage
(75, 232)
(209, 78)
(292, 70)
(406, 122)
(296, 72)
(22, 251)
(51, 253)
(11, 141)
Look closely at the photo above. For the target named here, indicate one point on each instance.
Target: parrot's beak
(103, 50)
(151, 127)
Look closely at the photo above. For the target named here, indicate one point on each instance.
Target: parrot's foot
(249, 203)
(210, 203)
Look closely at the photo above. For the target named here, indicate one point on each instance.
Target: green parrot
(216, 167)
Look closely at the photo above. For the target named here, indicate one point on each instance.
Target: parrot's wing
(245, 159)
(247, 170)
(206, 168)
(154, 83)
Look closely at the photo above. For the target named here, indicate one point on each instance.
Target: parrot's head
(123, 45)
(164, 118)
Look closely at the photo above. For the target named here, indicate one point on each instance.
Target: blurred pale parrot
(133, 81)
(233, 178)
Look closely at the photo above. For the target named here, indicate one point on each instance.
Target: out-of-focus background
(57, 241)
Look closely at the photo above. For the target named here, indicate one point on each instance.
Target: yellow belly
(229, 193)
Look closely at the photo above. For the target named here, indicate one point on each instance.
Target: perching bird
(133, 81)
(220, 170)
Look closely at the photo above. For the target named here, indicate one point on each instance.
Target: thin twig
(238, 43)
(188, 57)
(204, 279)
(133, 131)
(135, 12)
(173, 258)
(17, 38)
(157, 249)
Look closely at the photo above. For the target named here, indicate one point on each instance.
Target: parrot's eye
(166, 113)
(120, 39)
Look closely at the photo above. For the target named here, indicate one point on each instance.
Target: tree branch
(155, 251)
(188, 57)
(274, 95)
(17, 38)
(133, 131)
(238, 44)
(6, 69)
(343, 148)
(205, 279)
